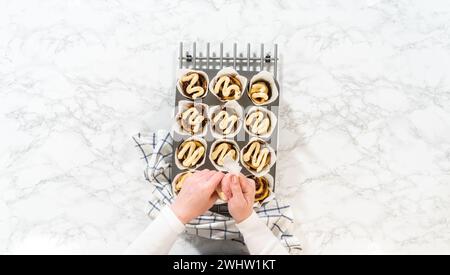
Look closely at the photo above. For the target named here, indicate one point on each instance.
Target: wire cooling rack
(242, 61)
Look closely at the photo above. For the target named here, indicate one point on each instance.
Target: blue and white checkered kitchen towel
(156, 149)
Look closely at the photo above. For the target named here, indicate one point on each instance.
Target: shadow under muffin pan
(242, 138)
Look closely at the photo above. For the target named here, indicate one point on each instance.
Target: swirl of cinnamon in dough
(190, 153)
(262, 190)
(223, 150)
(194, 88)
(192, 120)
(258, 122)
(260, 92)
(228, 87)
(225, 122)
(255, 157)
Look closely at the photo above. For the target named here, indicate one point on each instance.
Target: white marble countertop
(365, 123)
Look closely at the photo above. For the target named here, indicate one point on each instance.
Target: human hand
(240, 192)
(197, 195)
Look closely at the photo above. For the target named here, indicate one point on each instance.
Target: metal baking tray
(245, 66)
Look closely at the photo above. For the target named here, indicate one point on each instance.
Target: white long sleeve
(258, 237)
(159, 236)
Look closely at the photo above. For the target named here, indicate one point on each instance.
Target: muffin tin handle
(211, 61)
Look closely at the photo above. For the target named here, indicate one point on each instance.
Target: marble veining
(365, 118)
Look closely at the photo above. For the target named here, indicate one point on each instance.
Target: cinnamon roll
(190, 153)
(224, 121)
(256, 156)
(262, 190)
(228, 87)
(193, 119)
(222, 150)
(258, 122)
(193, 85)
(260, 92)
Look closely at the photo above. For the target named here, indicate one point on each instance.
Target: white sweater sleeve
(159, 236)
(258, 238)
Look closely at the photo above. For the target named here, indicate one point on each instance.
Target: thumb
(248, 188)
(236, 189)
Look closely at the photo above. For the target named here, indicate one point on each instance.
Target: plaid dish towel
(156, 149)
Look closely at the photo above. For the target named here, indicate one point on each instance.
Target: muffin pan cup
(228, 71)
(271, 195)
(198, 165)
(213, 146)
(183, 105)
(230, 105)
(184, 72)
(267, 77)
(270, 114)
(273, 157)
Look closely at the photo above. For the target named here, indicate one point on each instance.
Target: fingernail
(234, 179)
